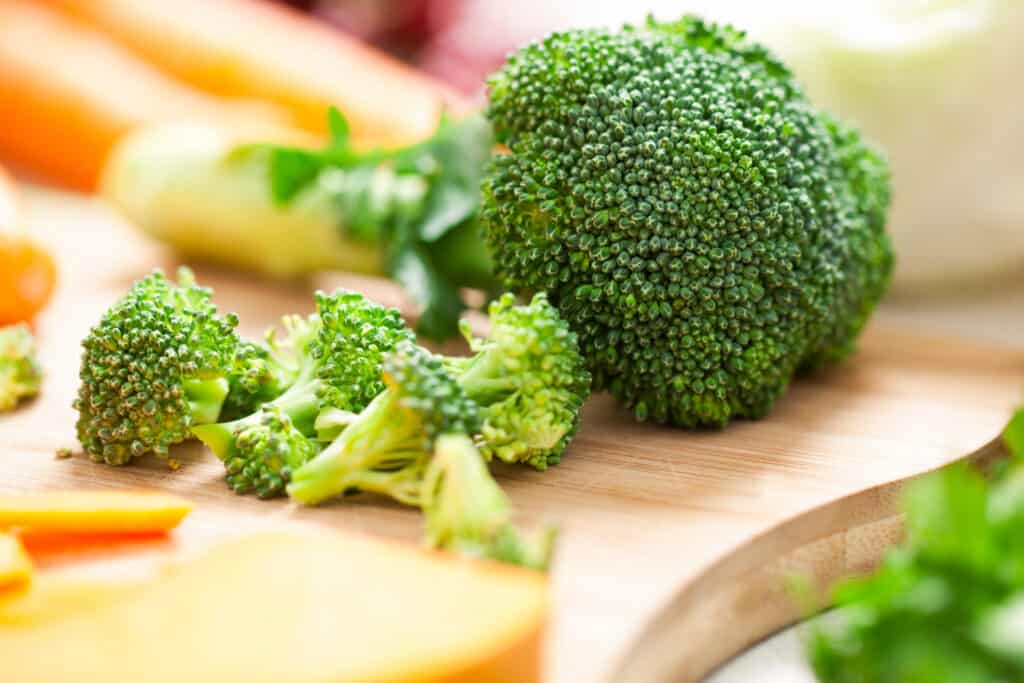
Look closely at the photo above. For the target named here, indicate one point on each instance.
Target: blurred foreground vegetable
(409, 212)
(20, 373)
(92, 512)
(949, 606)
(296, 608)
(68, 93)
(15, 564)
(254, 49)
(27, 271)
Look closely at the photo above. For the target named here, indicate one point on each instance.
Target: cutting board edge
(749, 599)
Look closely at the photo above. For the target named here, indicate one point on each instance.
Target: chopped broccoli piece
(267, 452)
(701, 226)
(20, 372)
(530, 381)
(468, 513)
(339, 350)
(385, 449)
(155, 365)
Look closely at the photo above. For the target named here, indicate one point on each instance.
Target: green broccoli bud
(699, 224)
(385, 449)
(20, 372)
(530, 380)
(468, 513)
(266, 452)
(338, 355)
(155, 365)
(263, 371)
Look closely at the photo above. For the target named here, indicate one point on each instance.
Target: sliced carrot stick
(67, 93)
(249, 48)
(92, 512)
(15, 565)
(27, 271)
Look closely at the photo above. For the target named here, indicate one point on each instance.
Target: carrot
(92, 512)
(247, 48)
(67, 93)
(27, 271)
(15, 565)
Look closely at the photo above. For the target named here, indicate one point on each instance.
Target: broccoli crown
(349, 348)
(467, 512)
(337, 356)
(268, 451)
(386, 446)
(156, 364)
(703, 229)
(20, 372)
(530, 380)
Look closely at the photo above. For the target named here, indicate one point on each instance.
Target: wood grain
(674, 543)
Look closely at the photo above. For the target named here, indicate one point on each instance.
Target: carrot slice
(256, 49)
(15, 565)
(27, 271)
(92, 512)
(68, 93)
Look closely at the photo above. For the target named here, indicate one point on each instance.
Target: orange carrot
(92, 512)
(67, 93)
(248, 48)
(15, 565)
(27, 271)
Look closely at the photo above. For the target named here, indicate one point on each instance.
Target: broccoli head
(386, 447)
(701, 226)
(468, 513)
(268, 450)
(530, 381)
(338, 353)
(156, 364)
(20, 373)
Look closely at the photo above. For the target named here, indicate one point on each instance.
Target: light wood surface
(674, 543)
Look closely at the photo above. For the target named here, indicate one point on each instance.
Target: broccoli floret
(262, 371)
(339, 350)
(155, 365)
(703, 229)
(20, 372)
(268, 450)
(385, 449)
(468, 513)
(530, 380)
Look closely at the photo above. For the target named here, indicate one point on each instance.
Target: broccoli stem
(205, 398)
(371, 453)
(300, 403)
(482, 380)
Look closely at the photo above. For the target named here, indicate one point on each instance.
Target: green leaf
(1013, 435)
(438, 298)
(291, 170)
(339, 129)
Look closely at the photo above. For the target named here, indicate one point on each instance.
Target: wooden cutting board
(675, 544)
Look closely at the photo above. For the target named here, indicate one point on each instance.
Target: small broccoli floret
(468, 513)
(266, 452)
(155, 365)
(20, 372)
(700, 225)
(263, 371)
(530, 380)
(339, 350)
(385, 449)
